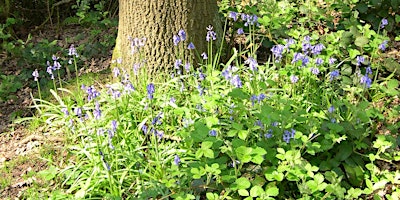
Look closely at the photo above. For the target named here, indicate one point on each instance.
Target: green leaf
(243, 192)
(256, 191)
(361, 41)
(200, 132)
(244, 154)
(242, 183)
(345, 150)
(212, 120)
(48, 174)
(208, 153)
(272, 191)
(242, 134)
(353, 53)
(238, 93)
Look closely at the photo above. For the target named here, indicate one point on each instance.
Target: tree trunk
(158, 21)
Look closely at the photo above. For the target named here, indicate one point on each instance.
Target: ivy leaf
(361, 41)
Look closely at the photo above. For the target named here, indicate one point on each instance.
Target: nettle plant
(299, 126)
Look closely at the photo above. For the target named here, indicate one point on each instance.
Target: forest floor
(23, 149)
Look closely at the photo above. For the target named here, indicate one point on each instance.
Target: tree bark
(158, 21)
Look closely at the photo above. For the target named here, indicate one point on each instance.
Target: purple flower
(331, 109)
(211, 35)
(178, 63)
(204, 56)
(240, 31)
(91, 92)
(332, 61)
(35, 75)
(182, 35)
(314, 70)
(297, 57)
(212, 133)
(97, 111)
(294, 79)
(144, 129)
(261, 97)
(305, 60)
(176, 39)
(177, 160)
(128, 88)
(384, 22)
(187, 67)
(159, 134)
(383, 45)
(72, 51)
(319, 61)
(150, 90)
(316, 50)
(277, 50)
(116, 72)
(259, 123)
(233, 15)
(305, 47)
(253, 99)
(235, 81)
(368, 70)
(289, 42)
(360, 59)
(287, 135)
(78, 112)
(65, 111)
(191, 46)
(252, 63)
(156, 120)
(366, 81)
(334, 74)
(172, 100)
(114, 125)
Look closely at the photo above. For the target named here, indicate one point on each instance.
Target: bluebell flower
(253, 99)
(200, 89)
(360, 59)
(156, 120)
(331, 109)
(150, 90)
(211, 35)
(187, 67)
(287, 135)
(233, 15)
(277, 51)
(159, 134)
(368, 70)
(114, 125)
(204, 56)
(294, 79)
(332, 61)
(319, 61)
(72, 51)
(314, 70)
(235, 81)
(177, 160)
(252, 63)
(65, 111)
(317, 49)
(128, 87)
(202, 76)
(182, 35)
(384, 22)
(191, 46)
(35, 75)
(289, 42)
(297, 57)
(176, 39)
(259, 123)
(144, 129)
(78, 112)
(91, 92)
(97, 111)
(261, 97)
(274, 124)
(268, 134)
(240, 31)
(178, 63)
(212, 133)
(334, 74)
(116, 72)
(187, 122)
(100, 132)
(305, 60)
(383, 45)
(172, 100)
(366, 81)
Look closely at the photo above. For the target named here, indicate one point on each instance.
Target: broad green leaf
(243, 192)
(256, 191)
(272, 191)
(242, 183)
(239, 94)
(345, 150)
(361, 41)
(242, 134)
